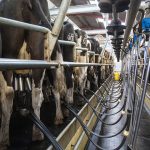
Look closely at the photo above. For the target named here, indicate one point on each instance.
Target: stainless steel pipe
(66, 42)
(59, 23)
(142, 98)
(12, 64)
(131, 15)
(19, 24)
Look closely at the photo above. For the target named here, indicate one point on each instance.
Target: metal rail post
(139, 102)
(134, 102)
(23, 25)
(134, 6)
(133, 142)
(58, 23)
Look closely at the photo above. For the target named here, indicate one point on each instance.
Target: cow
(92, 74)
(107, 61)
(104, 71)
(80, 73)
(68, 55)
(86, 76)
(61, 78)
(30, 11)
(110, 67)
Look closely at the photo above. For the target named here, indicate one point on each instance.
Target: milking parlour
(75, 75)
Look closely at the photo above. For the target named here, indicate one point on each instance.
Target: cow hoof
(69, 100)
(3, 147)
(37, 135)
(66, 112)
(58, 121)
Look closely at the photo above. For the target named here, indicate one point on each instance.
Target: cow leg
(35, 45)
(70, 86)
(82, 81)
(56, 79)
(84, 84)
(37, 99)
(69, 100)
(82, 88)
(6, 100)
(88, 84)
(69, 95)
(15, 39)
(59, 90)
(59, 115)
(69, 91)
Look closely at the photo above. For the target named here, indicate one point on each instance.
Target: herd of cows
(62, 81)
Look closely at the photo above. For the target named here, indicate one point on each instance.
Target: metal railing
(130, 71)
(9, 64)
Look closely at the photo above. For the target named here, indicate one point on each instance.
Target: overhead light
(94, 2)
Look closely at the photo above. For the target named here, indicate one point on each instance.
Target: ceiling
(88, 21)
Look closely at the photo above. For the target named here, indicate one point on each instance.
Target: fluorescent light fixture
(94, 2)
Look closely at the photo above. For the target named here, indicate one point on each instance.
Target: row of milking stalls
(70, 87)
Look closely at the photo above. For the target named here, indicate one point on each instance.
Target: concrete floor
(143, 139)
(114, 142)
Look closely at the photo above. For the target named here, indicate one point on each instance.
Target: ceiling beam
(78, 9)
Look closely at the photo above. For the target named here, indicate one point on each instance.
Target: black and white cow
(61, 78)
(68, 55)
(80, 73)
(92, 72)
(35, 12)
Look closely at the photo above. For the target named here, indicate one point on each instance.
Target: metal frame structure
(10, 64)
(28, 64)
(131, 15)
(137, 89)
(77, 9)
